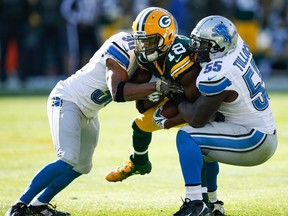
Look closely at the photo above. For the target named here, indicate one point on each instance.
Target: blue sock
(43, 178)
(57, 185)
(212, 170)
(191, 159)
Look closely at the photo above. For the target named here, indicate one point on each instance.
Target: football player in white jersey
(73, 107)
(230, 83)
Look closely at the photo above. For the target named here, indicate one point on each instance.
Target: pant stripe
(232, 143)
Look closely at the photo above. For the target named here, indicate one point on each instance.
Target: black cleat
(45, 210)
(193, 208)
(217, 208)
(19, 209)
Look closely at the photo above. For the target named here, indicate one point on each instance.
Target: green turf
(25, 146)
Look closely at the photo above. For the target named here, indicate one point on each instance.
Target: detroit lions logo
(165, 21)
(222, 31)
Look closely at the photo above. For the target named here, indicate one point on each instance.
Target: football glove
(159, 119)
(154, 97)
(167, 87)
(219, 117)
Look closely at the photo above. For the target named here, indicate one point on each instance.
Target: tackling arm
(174, 121)
(197, 114)
(122, 90)
(115, 74)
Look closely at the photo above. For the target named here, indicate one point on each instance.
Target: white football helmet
(213, 37)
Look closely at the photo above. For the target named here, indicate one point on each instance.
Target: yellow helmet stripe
(183, 65)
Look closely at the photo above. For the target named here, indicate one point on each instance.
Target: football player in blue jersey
(231, 83)
(73, 107)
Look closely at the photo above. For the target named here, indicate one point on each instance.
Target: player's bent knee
(83, 169)
(266, 152)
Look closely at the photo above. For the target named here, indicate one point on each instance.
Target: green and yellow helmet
(154, 31)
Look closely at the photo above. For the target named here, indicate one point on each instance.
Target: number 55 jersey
(238, 72)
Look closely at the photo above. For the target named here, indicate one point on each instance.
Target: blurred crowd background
(43, 41)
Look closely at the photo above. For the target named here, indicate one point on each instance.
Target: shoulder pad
(179, 57)
(215, 87)
(120, 47)
(213, 78)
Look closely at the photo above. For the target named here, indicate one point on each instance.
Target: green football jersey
(175, 64)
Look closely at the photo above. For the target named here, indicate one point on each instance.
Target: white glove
(154, 97)
(159, 119)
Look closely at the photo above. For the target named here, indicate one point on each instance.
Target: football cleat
(217, 208)
(128, 169)
(45, 210)
(193, 208)
(19, 209)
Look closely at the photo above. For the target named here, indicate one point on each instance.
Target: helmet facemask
(148, 46)
(201, 48)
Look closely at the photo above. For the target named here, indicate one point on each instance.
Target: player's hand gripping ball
(170, 109)
(164, 112)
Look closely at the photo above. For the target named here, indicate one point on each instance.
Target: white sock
(194, 192)
(38, 203)
(212, 196)
(204, 189)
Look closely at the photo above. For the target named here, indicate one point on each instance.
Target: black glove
(219, 117)
(168, 87)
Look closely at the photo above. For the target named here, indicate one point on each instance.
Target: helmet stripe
(142, 19)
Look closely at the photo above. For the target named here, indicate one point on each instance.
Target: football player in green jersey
(166, 55)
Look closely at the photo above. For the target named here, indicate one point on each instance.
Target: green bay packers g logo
(165, 21)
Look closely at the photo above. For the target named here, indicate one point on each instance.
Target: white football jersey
(237, 71)
(87, 87)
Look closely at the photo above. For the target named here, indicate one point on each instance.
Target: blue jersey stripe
(242, 143)
(213, 88)
(119, 55)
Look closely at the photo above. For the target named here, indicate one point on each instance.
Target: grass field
(25, 146)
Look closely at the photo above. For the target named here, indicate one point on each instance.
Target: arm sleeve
(213, 88)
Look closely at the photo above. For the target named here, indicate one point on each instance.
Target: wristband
(120, 92)
(158, 85)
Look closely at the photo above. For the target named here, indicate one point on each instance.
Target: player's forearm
(138, 91)
(174, 121)
(194, 114)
